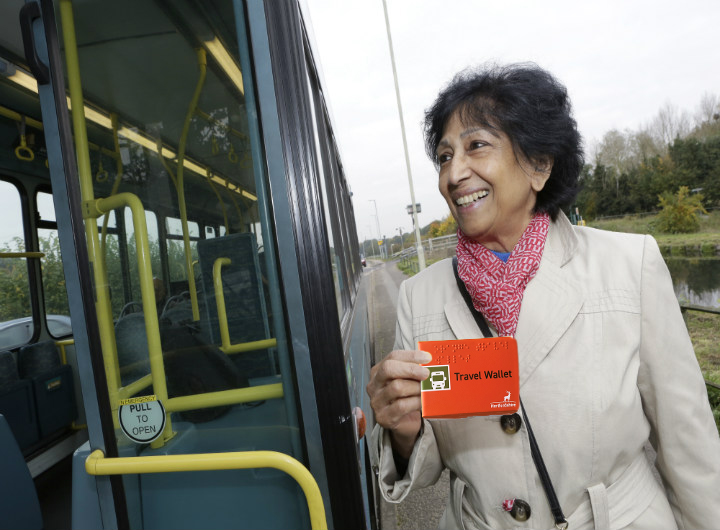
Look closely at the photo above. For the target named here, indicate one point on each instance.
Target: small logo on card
(439, 378)
(506, 403)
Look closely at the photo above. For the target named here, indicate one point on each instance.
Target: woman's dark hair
(531, 107)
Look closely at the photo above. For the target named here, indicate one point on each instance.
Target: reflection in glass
(16, 325)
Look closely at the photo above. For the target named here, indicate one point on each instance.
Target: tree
(14, 284)
(679, 211)
(670, 123)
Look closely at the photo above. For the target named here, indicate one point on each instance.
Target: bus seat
(53, 385)
(17, 403)
(132, 347)
(244, 295)
(192, 366)
(19, 504)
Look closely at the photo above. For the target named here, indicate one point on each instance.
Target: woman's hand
(394, 391)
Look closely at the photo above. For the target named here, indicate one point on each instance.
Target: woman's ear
(541, 173)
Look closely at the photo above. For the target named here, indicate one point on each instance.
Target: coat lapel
(461, 319)
(551, 300)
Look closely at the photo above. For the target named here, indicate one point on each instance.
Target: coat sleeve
(675, 401)
(425, 465)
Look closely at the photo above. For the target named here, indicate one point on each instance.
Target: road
(423, 508)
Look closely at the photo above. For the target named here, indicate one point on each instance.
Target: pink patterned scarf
(497, 288)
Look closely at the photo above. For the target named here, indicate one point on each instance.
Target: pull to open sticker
(142, 419)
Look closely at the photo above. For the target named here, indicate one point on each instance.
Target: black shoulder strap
(479, 319)
(560, 521)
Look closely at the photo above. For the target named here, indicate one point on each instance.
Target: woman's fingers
(401, 364)
(394, 389)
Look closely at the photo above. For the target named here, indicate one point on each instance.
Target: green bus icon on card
(439, 378)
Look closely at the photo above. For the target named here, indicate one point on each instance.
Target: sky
(621, 61)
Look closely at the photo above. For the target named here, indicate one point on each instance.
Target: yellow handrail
(243, 347)
(97, 464)
(225, 397)
(61, 344)
(202, 65)
(220, 300)
(220, 201)
(147, 290)
(9, 113)
(85, 177)
(133, 388)
(226, 346)
(22, 254)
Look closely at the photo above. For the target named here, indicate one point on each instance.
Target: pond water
(696, 280)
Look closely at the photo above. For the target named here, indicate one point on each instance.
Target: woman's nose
(459, 169)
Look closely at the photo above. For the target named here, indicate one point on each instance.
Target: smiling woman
(598, 329)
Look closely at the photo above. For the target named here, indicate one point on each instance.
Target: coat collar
(551, 301)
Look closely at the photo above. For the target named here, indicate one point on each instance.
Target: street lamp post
(418, 240)
(372, 247)
(377, 225)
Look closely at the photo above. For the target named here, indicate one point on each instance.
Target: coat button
(520, 510)
(511, 423)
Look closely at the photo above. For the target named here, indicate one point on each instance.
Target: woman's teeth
(467, 199)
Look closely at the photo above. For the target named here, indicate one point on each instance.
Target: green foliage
(632, 169)
(707, 249)
(56, 300)
(14, 284)
(679, 212)
(446, 227)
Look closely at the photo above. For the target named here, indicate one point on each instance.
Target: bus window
(154, 245)
(53, 278)
(16, 321)
(115, 257)
(325, 176)
(176, 253)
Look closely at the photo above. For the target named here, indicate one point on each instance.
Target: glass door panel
(186, 294)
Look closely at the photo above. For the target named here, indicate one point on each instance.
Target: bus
(182, 306)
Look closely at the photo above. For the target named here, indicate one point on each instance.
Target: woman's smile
(471, 198)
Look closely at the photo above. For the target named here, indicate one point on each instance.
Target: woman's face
(490, 194)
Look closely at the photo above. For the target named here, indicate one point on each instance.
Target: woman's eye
(477, 144)
(442, 158)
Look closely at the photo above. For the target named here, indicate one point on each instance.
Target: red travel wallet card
(475, 377)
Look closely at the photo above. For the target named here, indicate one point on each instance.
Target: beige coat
(605, 364)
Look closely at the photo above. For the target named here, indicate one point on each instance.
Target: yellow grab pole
(222, 203)
(250, 346)
(133, 388)
(95, 256)
(220, 300)
(225, 397)
(202, 64)
(61, 344)
(22, 254)
(226, 346)
(97, 464)
(147, 290)
(118, 176)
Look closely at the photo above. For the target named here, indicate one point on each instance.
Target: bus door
(200, 402)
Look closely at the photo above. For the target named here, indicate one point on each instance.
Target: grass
(409, 267)
(703, 333)
(703, 328)
(707, 237)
